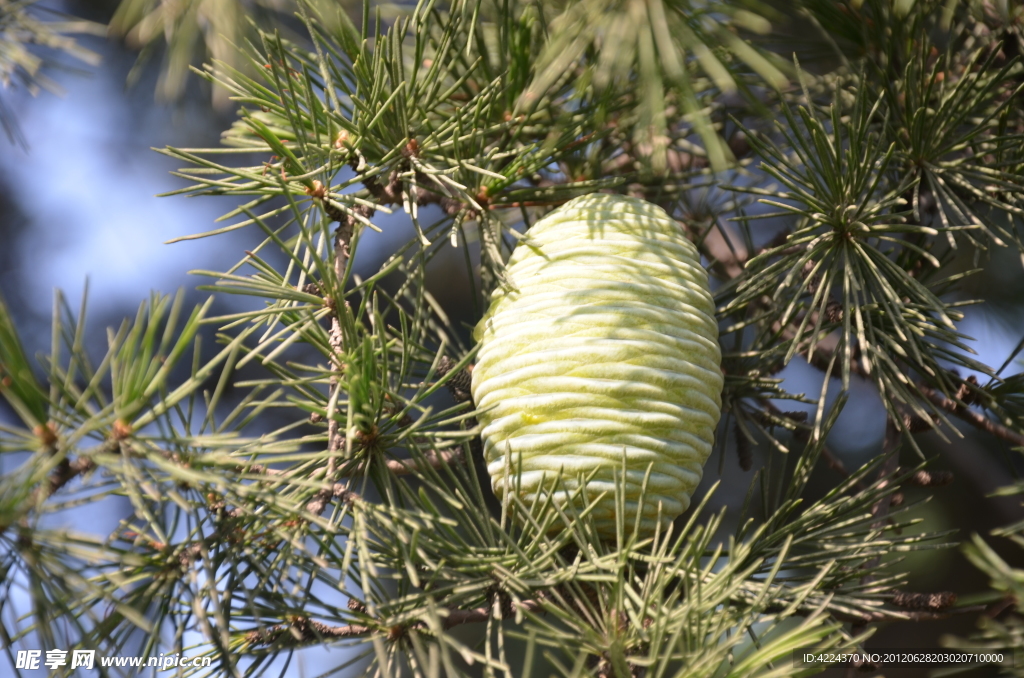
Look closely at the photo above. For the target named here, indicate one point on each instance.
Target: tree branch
(431, 459)
(973, 418)
(400, 467)
(730, 260)
(303, 631)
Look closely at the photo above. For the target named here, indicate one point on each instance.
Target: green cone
(605, 346)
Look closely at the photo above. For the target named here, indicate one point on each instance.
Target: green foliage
(186, 30)
(312, 481)
(1004, 635)
(682, 54)
(24, 29)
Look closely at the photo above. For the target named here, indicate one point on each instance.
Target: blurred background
(78, 210)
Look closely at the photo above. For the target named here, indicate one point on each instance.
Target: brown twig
(836, 464)
(890, 465)
(925, 478)
(69, 469)
(973, 418)
(934, 602)
(386, 193)
(822, 356)
(460, 384)
(457, 617)
(335, 437)
(303, 630)
(743, 452)
(896, 615)
(66, 471)
(431, 459)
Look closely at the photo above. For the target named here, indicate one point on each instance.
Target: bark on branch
(303, 631)
(975, 419)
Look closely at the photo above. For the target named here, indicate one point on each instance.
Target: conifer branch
(940, 600)
(303, 630)
(66, 471)
(975, 419)
(879, 171)
(731, 258)
(431, 459)
(335, 436)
